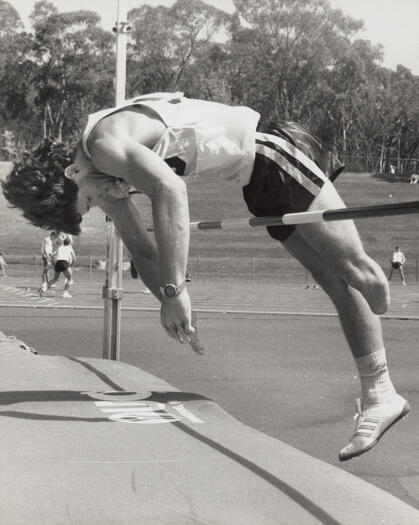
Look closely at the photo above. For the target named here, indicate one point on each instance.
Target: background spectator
(397, 262)
(47, 251)
(3, 264)
(65, 258)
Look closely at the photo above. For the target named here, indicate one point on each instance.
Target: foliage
(299, 60)
(57, 73)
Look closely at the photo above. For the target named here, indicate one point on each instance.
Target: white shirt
(398, 257)
(210, 138)
(65, 253)
(47, 247)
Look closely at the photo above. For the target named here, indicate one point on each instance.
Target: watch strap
(177, 288)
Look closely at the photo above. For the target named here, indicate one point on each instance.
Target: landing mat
(89, 441)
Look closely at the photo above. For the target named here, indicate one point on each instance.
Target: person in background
(65, 258)
(61, 236)
(3, 264)
(47, 251)
(397, 260)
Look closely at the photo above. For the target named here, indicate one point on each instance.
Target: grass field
(226, 250)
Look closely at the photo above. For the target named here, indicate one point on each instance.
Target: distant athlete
(155, 143)
(397, 261)
(65, 258)
(47, 251)
(3, 264)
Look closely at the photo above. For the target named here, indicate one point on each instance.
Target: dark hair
(324, 156)
(38, 187)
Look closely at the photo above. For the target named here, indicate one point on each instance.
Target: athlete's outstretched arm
(148, 173)
(127, 220)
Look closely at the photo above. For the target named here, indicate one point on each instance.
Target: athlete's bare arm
(140, 244)
(142, 248)
(115, 152)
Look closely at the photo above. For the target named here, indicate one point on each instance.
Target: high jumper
(155, 143)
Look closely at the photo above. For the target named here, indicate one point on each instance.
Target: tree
(403, 117)
(167, 42)
(10, 22)
(57, 74)
(288, 59)
(15, 114)
(74, 68)
(290, 43)
(351, 87)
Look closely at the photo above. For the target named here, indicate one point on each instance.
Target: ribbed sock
(375, 378)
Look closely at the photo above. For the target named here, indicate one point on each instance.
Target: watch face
(170, 290)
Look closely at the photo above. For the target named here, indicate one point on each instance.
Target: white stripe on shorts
(292, 171)
(293, 151)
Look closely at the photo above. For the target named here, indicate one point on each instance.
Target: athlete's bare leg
(69, 280)
(54, 279)
(402, 274)
(362, 328)
(338, 243)
(337, 261)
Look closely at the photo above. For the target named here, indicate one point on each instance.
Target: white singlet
(207, 137)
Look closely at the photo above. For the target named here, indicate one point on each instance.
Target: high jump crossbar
(310, 217)
(112, 290)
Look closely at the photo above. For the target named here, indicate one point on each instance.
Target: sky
(392, 23)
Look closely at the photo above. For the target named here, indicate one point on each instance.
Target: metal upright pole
(112, 290)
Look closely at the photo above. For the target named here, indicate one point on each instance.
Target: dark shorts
(396, 265)
(61, 266)
(283, 181)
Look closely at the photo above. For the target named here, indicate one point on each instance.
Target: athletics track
(232, 296)
(219, 471)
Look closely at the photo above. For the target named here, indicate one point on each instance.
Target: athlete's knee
(368, 270)
(331, 283)
(365, 275)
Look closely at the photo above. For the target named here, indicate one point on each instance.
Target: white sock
(374, 375)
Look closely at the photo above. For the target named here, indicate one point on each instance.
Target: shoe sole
(403, 413)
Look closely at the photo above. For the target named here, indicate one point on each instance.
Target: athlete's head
(37, 186)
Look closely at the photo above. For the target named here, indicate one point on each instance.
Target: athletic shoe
(67, 294)
(44, 287)
(404, 283)
(53, 286)
(372, 421)
(146, 290)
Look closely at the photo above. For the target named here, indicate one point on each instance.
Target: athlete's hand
(194, 338)
(179, 321)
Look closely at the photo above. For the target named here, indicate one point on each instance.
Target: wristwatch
(172, 290)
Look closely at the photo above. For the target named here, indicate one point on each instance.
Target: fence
(284, 268)
(403, 167)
